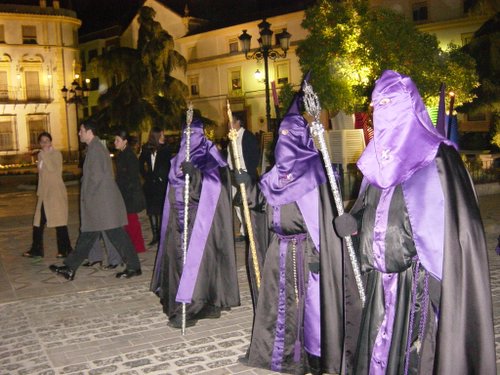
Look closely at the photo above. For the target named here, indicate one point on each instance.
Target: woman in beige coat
(52, 205)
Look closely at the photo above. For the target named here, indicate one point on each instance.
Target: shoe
(29, 254)
(89, 264)
(63, 271)
(127, 274)
(60, 256)
(110, 267)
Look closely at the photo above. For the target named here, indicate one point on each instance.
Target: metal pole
(79, 148)
(268, 101)
(189, 120)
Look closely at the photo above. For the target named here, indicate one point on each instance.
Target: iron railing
(28, 94)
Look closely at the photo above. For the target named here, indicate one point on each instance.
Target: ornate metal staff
(313, 108)
(233, 134)
(189, 119)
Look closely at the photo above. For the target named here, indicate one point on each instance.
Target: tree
(142, 93)
(350, 44)
(484, 47)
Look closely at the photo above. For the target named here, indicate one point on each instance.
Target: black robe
(216, 286)
(452, 330)
(332, 267)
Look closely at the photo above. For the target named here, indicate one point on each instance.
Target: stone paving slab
(98, 324)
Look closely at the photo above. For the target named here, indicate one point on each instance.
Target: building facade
(218, 71)
(38, 56)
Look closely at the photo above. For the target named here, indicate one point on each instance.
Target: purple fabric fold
(210, 192)
(382, 346)
(424, 190)
(309, 208)
(299, 256)
(312, 316)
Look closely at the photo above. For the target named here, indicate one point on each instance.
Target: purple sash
(309, 208)
(209, 198)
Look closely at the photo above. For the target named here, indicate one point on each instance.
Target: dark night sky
(97, 14)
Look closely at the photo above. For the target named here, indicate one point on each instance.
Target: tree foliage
(350, 44)
(484, 47)
(142, 93)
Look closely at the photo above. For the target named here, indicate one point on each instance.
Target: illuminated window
(419, 11)
(36, 125)
(235, 84)
(282, 72)
(29, 34)
(2, 34)
(194, 86)
(7, 133)
(233, 45)
(32, 85)
(4, 86)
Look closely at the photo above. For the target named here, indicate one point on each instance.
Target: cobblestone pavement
(98, 324)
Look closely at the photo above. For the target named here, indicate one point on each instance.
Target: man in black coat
(249, 153)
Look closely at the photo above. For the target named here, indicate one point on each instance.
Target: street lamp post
(266, 52)
(76, 95)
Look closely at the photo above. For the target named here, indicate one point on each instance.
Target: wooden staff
(189, 119)
(313, 108)
(233, 134)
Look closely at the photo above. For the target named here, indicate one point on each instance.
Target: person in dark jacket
(248, 149)
(128, 179)
(101, 210)
(154, 164)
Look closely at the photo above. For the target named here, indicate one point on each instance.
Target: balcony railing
(29, 94)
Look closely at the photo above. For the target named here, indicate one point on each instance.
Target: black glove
(345, 225)
(242, 177)
(188, 168)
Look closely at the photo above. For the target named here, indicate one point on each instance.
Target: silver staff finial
(189, 114)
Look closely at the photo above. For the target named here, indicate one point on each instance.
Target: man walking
(248, 149)
(101, 209)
